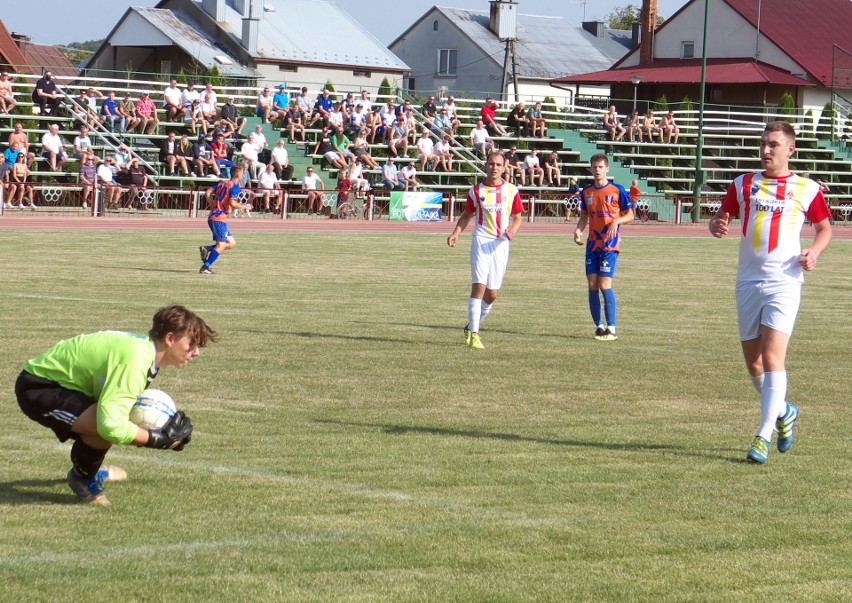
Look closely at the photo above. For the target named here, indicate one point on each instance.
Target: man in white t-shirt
(426, 152)
(313, 185)
(532, 166)
(772, 205)
(409, 177)
(251, 164)
(269, 187)
(53, 149)
(281, 161)
(106, 181)
(173, 102)
(480, 140)
(496, 208)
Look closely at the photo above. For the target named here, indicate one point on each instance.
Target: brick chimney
(648, 25)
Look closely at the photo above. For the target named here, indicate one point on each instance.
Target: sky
(94, 19)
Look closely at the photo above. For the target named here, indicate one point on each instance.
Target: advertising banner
(415, 207)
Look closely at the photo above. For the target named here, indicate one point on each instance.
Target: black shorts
(49, 404)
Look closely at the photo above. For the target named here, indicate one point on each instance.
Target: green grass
(348, 446)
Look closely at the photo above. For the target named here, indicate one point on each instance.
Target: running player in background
(221, 199)
(83, 389)
(773, 205)
(604, 206)
(496, 207)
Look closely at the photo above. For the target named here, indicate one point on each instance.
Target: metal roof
(312, 31)
(10, 54)
(187, 34)
(547, 47)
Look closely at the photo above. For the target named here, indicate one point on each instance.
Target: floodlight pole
(635, 79)
(699, 149)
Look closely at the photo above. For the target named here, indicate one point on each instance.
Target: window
(447, 59)
(290, 68)
(687, 50)
(362, 73)
(435, 25)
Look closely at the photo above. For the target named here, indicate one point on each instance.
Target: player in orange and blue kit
(221, 199)
(604, 206)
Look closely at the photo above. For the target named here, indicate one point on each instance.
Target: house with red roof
(756, 51)
(19, 55)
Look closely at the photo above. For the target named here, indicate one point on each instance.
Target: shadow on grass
(511, 437)
(309, 335)
(31, 491)
(484, 331)
(140, 269)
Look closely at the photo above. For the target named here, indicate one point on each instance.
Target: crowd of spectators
(639, 129)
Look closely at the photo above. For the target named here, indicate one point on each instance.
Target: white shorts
(488, 261)
(775, 305)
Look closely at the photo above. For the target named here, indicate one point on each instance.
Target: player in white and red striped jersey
(772, 205)
(495, 206)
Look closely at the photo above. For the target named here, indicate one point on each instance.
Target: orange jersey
(220, 206)
(603, 205)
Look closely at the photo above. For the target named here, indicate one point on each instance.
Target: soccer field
(349, 446)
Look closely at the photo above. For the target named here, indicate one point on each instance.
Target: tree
(79, 52)
(330, 87)
(825, 122)
(662, 104)
(786, 104)
(626, 16)
(384, 90)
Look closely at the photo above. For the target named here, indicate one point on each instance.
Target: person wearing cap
(293, 120)
(146, 111)
(304, 103)
(357, 119)
(264, 106)
(195, 118)
(398, 137)
(230, 120)
(127, 110)
(322, 107)
(281, 100)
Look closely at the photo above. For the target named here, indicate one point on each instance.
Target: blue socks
(595, 307)
(609, 306)
(214, 255)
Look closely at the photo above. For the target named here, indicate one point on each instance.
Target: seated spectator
(46, 94)
(122, 157)
(94, 99)
(281, 100)
(109, 187)
(261, 145)
(429, 110)
(110, 114)
(426, 152)
(10, 157)
(356, 176)
(19, 177)
(518, 120)
(88, 179)
(553, 170)
(373, 123)
(337, 116)
(172, 102)
(251, 159)
(348, 104)
(388, 118)
(533, 168)
(293, 120)
(194, 119)
(304, 104)
(487, 114)
(514, 167)
(398, 137)
(365, 101)
(146, 111)
(313, 185)
(138, 183)
(189, 96)
(452, 115)
(222, 154)
(18, 135)
(361, 149)
(80, 109)
(538, 123)
(7, 95)
(281, 161)
(357, 120)
(669, 128)
(53, 149)
(270, 188)
(202, 156)
(209, 110)
(82, 143)
(441, 125)
(170, 154)
(444, 153)
(230, 119)
(480, 140)
(322, 107)
(409, 177)
(650, 126)
(633, 127)
(326, 150)
(390, 176)
(127, 110)
(612, 125)
(185, 150)
(341, 143)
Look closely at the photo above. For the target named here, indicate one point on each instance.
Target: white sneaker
(32, 206)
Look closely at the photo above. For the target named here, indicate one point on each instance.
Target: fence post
(452, 207)
(96, 202)
(532, 208)
(678, 210)
(286, 204)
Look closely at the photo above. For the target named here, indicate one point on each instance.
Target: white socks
(474, 314)
(773, 403)
(757, 382)
(486, 308)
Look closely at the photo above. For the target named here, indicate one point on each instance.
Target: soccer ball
(153, 409)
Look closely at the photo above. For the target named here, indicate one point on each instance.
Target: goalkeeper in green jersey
(83, 389)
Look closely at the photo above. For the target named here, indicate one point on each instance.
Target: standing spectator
(127, 110)
(487, 114)
(88, 179)
(398, 137)
(231, 120)
(264, 106)
(106, 181)
(170, 154)
(281, 100)
(18, 135)
(538, 123)
(202, 155)
(495, 207)
(634, 192)
(481, 141)
(82, 143)
(452, 115)
(553, 169)
(390, 176)
(444, 153)
(19, 177)
(514, 167)
(53, 149)
(293, 120)
(138, 183)
(281, 161)
(327, 151)
(532, 166)
(773, 206)
(313, 186)
(649, 124)
(221, 199)
(669, 128)
(7, 95)
(604, 206)
(429, 111)
(110, 113)
(408, 175)
(518, 120)
(268, 184)
(633, 127)
(612, 125)
(426, 152)
(46, 94)
(173, 102)
(146, 111)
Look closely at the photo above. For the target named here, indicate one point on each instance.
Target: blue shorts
(220, 230)
(601, 263)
